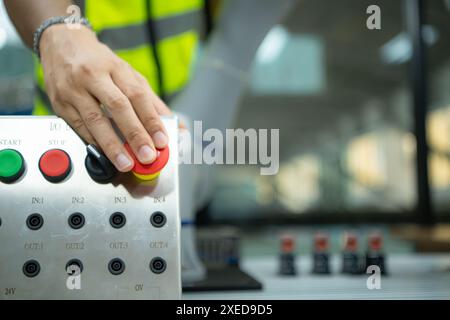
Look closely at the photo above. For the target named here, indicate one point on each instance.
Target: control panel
(72, 227)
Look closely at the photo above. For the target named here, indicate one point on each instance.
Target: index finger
(126, 119)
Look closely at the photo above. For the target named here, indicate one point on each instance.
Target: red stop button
(55, 165)
(152, 170)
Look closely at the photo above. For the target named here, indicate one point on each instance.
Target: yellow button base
(147, 177)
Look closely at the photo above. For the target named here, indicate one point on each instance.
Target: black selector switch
(98, 166)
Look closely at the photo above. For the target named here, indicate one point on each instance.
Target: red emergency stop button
(55, 165)
(149, 171)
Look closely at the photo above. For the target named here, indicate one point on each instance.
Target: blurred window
(340, 95)
(438, 121)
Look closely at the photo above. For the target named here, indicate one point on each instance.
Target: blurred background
(342, 98)
(364, 119)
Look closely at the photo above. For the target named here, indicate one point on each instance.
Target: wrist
(54, 35)
(55, 27)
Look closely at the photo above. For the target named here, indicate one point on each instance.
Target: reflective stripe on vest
(122, 25)
(137, 34)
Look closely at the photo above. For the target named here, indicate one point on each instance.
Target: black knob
(98, 166)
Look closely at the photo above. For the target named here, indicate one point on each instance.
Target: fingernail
(146, 154)
(160, 139)
(123, 162)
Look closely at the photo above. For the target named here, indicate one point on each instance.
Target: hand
(82, 75)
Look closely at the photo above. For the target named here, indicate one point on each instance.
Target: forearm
(27, 15)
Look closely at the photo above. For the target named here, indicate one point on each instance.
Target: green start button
(12, 165)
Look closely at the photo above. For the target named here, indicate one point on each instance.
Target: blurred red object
(375, 241)
(287, 243)
(320, 242)
(350, 241)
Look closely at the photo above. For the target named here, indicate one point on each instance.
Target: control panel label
(118, 245)
(78, 200)
(33, 246)
(37, 200)
(10, 291)
(120, 200)
(159, 199)
(10, 142)
(58, 126)
(159, 244)
(75, 245)
(139, 287)
(56, 142)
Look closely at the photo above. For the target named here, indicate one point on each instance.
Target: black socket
(158, 219)
(76, 220)
(0, 222)
(35, 221)
(76, 263)
(117, 220)
(158, 265)
(116, 266)
(31, 268)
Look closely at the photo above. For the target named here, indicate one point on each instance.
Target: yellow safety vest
(124, 25)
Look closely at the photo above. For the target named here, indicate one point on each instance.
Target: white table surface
(411, 276)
